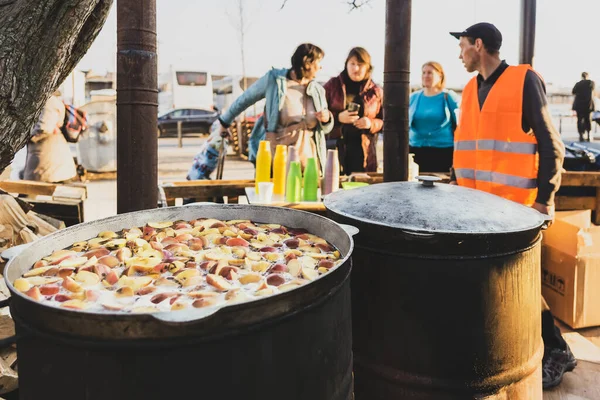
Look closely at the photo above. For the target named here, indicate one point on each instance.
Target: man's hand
(323, 116)
(544, 209)
(348, 117)
(363, 123)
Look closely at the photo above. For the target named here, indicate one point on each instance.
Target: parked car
(193, 120)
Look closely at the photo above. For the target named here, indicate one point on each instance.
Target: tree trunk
(41, 42)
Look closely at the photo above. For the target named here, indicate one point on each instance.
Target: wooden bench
(578, 179)
(60, 201)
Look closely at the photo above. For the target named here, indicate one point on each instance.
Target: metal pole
(527, 43)
(137, 106)
(179, 135)
(396, 90)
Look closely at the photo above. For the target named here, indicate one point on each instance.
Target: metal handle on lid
(428, 181)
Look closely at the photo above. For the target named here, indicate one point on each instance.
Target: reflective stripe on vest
(496, 145)
(491, 151)
(496, 177)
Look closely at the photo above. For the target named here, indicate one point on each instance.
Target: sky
(203, 34)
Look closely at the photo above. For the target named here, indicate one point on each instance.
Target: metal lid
(433, 208)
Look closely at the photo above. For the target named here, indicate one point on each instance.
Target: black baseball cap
(488, 33)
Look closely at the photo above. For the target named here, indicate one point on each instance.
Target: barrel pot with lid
(445, 292)
(295, 345)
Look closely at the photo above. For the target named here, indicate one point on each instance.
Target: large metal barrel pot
(445, 293)
(294, 345)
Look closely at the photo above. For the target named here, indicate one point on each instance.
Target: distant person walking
(583, 104)
(432, 120)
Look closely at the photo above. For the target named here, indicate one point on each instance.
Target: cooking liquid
(276, 248)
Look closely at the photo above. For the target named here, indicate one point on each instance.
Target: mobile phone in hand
(352, 107)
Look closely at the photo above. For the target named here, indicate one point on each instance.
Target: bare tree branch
(354, 4)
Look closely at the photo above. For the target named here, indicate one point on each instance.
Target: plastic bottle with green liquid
(293, 188)
(311, 180)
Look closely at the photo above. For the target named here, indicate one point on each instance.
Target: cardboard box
(571, 269)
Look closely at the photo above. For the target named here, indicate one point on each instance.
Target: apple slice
(112, 307)
(143, 260)
(261, 266)
(73, 262)
(34, 293)
(288, 286)
(109, 261)
(102, 270)
(249, 278)
(309, 273)
(65, 271)
(22, 285)
(115, 244)
(42, 280)
(87, 278)
(107, 235)
(61, 298)
(112, 277)
(146, 290)
(90, 262)
(264, 292)
(60, 255)
(308, 262)
(96, 243)
(203, 303)
(92, 295)
(235, 241)
(74, 304)
(160, 297)
(218, 282)
(100, 252)
(124, 291)
(38, 271)
(135, 282)
(71, 285)
(273, 256)
(178, 306)
(236, 295)
(160, 224)
(254, 256)
(167, 281)
(49, 290)
(202, 294)
(294, 267)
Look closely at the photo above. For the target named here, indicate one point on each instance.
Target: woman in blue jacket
(296, 111)
(432, 121)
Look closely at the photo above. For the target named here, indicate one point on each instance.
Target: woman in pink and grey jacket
(356, 131)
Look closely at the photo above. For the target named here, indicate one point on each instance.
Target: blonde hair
(439, 69)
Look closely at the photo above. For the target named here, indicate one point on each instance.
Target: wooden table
(215, 191)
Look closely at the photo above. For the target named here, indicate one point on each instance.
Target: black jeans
(583, 122)
(433, 159)
(551, 333)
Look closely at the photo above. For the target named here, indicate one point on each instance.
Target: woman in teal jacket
(432, 121)
(294, 103)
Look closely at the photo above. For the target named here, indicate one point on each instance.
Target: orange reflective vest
(491, 151)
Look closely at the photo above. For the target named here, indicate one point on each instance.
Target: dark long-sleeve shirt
(537, 118)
